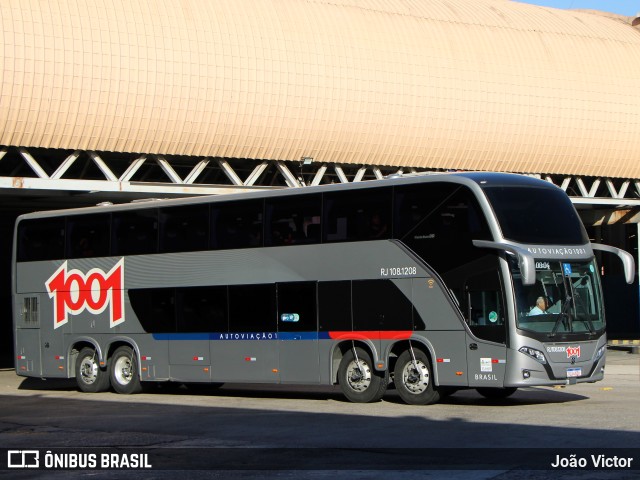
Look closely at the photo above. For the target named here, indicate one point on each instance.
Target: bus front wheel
(358, 379)
(89, 377)
(413, 379)
(124, 371)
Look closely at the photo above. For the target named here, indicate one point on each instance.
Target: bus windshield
(564, 299)
(536, 216)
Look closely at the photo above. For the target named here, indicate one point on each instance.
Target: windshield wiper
(589, 324)
(563, 315)
(586, 318)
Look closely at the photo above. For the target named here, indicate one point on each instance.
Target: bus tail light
(535, 354)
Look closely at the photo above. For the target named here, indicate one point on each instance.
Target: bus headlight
(600, 353)
(535, 354)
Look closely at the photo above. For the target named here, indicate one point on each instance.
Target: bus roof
(471, 179)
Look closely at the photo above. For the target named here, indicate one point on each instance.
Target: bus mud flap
(355, 354)
(413, 356)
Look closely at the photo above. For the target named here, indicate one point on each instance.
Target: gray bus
(428, 283)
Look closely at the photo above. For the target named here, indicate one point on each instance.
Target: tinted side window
(380, 305)
(202, 309)
(135, 232)
(334, 301)
(293, 220)
(252, 308)
(357, 215)
(236, 225)
(297, 307)
(155, 308)
(439, 222)
(88, 235)
(184, 229)
(40, 239)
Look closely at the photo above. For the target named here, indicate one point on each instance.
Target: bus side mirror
(627, 260)
(525, 260)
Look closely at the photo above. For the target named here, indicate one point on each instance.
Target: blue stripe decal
(243, 336)
(298, 335)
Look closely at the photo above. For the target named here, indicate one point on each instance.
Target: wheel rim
(88, 371)
(358, 376)
(415, 377)
(123, 371)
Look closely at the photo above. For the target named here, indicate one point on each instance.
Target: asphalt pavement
(311, 432)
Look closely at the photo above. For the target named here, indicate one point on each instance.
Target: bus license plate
(574, 372)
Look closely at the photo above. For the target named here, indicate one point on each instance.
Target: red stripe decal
(371, 335)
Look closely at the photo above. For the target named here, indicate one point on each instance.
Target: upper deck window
(135, 232)
(236, 224)
(439, 221)
(293, 220)
(41, 239)
(357, 215)
(184, 229)
(536, 215)
(88, 235)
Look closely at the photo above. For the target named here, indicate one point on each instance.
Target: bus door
(27, 335)
(485, 314)
(248, 352)
(176, 316)
(54, 360)
(298, 332)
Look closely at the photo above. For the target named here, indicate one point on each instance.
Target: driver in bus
(540, 308)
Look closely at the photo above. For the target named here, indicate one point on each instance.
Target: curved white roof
(456, 84)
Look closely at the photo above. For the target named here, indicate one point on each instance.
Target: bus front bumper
(530, 373)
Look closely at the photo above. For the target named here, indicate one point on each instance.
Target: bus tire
(496, 393)
(359, 381)
(414, 381)
(89, 377)
(124, 371)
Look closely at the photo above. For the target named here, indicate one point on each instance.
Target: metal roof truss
(149, 174)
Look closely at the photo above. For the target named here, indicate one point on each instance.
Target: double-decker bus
(428, 283)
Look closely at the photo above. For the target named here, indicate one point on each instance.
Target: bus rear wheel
(89, 377)
(124, 371)
(496, 393)
(358, 379)
(413, 379)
